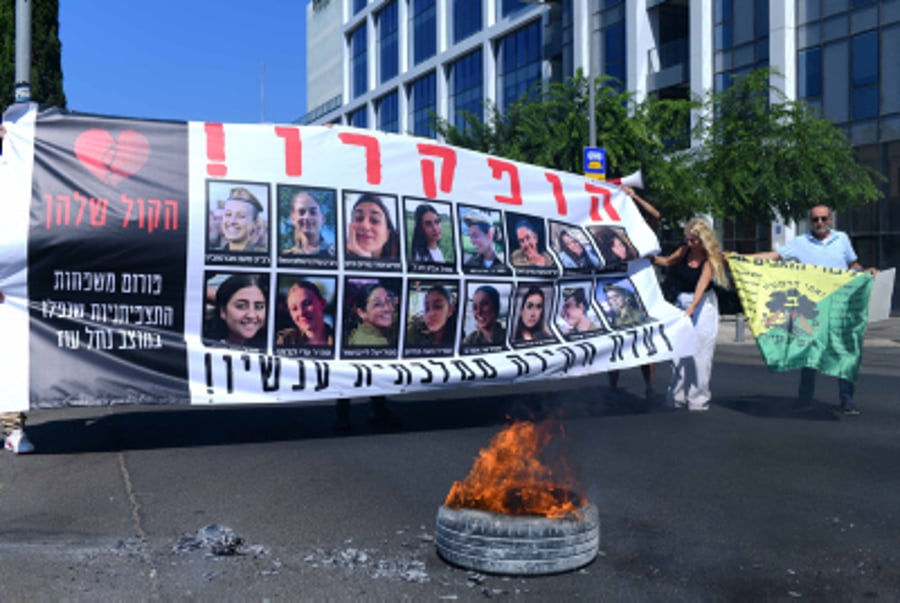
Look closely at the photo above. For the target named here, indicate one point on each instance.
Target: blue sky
(195, 60)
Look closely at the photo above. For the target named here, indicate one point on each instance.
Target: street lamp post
(23, 51)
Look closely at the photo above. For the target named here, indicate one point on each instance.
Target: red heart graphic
(111, 160)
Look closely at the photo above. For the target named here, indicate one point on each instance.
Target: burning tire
(517, 544)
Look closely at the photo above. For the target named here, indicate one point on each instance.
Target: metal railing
(326, 107)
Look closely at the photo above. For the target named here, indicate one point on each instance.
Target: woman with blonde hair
(694, 267)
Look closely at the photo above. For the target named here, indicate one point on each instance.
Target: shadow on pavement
(143, 428)
(778, 407)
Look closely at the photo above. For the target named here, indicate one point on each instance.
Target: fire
(509, 478)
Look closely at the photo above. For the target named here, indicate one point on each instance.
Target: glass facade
(424, 29)
(519, 63)
(614, 65)
(740, 38)
(358, 5)
(809, 75)
(864, 75)
(467, 88)
(857, 40)
(466, 18)
(422, 103)
(508, 7)
(388, 110)
(359, 118)
(358, 63)
(388, 42)
(567, 36)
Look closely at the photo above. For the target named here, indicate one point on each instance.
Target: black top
(687, 277)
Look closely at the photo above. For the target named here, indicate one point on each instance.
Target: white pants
(690, 375)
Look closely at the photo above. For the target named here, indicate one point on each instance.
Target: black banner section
(107, 261)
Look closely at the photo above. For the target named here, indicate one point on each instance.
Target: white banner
(302, 263)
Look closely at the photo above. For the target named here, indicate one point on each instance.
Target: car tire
(496, 543)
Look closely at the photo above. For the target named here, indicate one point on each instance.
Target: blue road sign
(595, 162)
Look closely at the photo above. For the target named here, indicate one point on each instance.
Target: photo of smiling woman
(371, 314)
(236, 311)
(485, 322)
(431, 318)
(528, 246)
(241, 213)
(372, 238)
(533, 302)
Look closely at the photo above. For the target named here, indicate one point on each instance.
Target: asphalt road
(746, 502)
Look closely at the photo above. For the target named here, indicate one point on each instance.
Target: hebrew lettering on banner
(221, 263)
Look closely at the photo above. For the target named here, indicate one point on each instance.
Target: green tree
(757, 160)
(766, 158)
(46, 50)
(550, 127)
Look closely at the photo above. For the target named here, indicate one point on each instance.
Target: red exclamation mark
(215, 150)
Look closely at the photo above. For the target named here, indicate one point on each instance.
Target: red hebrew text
(373, 153)
(293, 150)
(499, 167)
(448, 168)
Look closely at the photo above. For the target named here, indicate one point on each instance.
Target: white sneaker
(18, 442)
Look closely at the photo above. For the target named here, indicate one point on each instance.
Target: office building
(401, 59)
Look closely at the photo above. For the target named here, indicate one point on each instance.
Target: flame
(509, 478)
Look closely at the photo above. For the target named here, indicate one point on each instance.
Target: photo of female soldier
(621, 304)
(431, 323)
(486, 316)
(304, 316)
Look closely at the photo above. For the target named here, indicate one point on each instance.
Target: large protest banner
(803, 315)
(168, 262)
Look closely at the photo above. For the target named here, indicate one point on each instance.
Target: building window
(724, 28)
(466, 18)
(359, 118)
(741, 38)
(614, 53)
(389, 113)
(422, 104)
(519, 64)
(424, 29)
(358, 5)
(568, 40)
(467, 88)
(389, 59)
(864, 76)
(508, 7)
(810, 76)
(358, 62)
(854, 88)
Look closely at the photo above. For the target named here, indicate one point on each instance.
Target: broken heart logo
(110, 159)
